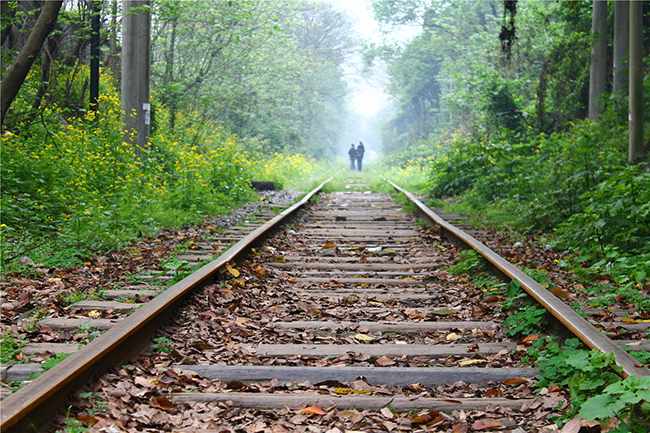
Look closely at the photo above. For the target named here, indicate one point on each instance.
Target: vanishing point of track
(351, 256)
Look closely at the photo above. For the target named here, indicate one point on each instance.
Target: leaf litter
(242, 311)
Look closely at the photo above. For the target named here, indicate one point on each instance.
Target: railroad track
(348, 316)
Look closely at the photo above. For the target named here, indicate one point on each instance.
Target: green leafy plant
(526, 322)
(98, 405)
(73, 425)
(50, 363)
(586, 373)
(9, 348)
(470, 261)
(628, 400)
(162, 345)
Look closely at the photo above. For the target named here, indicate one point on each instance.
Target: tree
(621, 43)
(598, 68)
(637, 151)
(18, 71)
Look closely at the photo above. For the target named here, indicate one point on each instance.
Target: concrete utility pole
(637, 151)
(136, 59)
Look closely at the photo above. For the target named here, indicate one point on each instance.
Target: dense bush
(575, 183)
(72, 182)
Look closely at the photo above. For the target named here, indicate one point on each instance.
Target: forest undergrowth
(72, 188)
(573, 192)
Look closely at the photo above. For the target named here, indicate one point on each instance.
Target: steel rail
(575, 323)
(33, 405)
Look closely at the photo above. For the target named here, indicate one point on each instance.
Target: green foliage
(72, 425)
(628, 400)
(162, 345)
(50, 363)
(9, 348)
(586, 373)
(525, 322)
(573, 183)
(470, 262)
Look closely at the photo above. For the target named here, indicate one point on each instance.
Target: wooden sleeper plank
(389, 376)
(369, 402)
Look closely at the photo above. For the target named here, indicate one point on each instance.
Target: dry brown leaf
(486, 423)
(460, 428)
(516, 381)
(90, 420)
(385, 361)
(492, 392)
(162, 403)
(530, 339)
(561, 293)
(329, 245)
(313, 410)
(431, 418)
(572, 426)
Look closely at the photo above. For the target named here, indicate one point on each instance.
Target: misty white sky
(367, 96)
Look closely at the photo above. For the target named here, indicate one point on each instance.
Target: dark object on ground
(263, 185)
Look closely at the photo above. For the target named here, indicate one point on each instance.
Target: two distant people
(356, 155)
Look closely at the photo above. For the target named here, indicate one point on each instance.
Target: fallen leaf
(430, 419)
(516, 381)
(94, 314)
(387, 413)
(280, 259)
(329, 245)
(452, 336)
(363, 337)
(628, 320)
(313, 410)
(492, 392)
(234, 272)
(443, 311)
(385, 361)
(210, 314)
(459, 428)
(561, 293)
(90, 420)
(486, 423)
(530, 339)
(572, 426)
(342, 391)
(472, 362)
(162, 403)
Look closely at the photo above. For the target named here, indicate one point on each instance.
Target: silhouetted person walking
(360, 151)
(353, 156)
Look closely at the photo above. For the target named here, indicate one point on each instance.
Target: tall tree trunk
(113, 58)
(621, 43)
(18, 71)
(637, 150)
(94, 53)
(598, 69)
